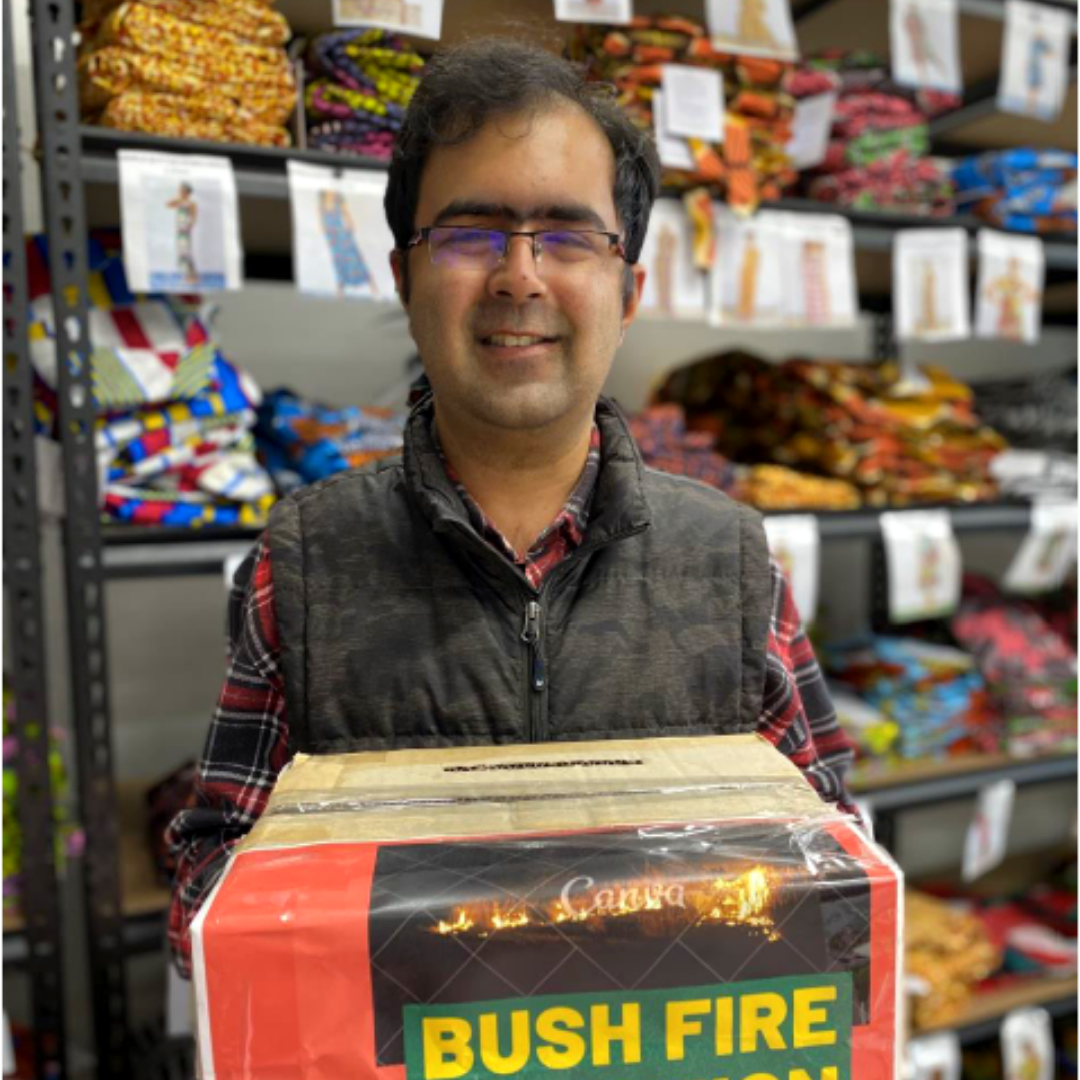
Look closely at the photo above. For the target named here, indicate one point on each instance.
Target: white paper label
(987, 836)
(1009, 295)
(341, 241)
(178, 1019)
(934, 1057)
(1034, 59)
(753, 27)
(748, 275)
(615, 12)
(811, 129)
(924, 564)
(674, 152)
(795, 543)
(930, 284)
(674, 286)
(818, 263)
(1027, 1045)
(1047, 551)
(694, 102)
(420, 17)
(926, 44)
(180, 222)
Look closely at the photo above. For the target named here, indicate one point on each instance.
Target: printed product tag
(811, 129)
(795, 543)
(1034, 59)
(420, 17)
(987, 837)
(674, 151)
(1027, 1045)
(1047, 551)
(694, 102)
(341, 241)
(819, 271)
(930, 284)
(181, 224)
(748, 275)
(1009, 295)
(753, 27)
(674, 287)
(924, 564)
(925, 40)
(615, 12)
(934, 1057)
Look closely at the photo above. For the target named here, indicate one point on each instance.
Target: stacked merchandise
(196, 69)
(303, 441)
(665, 444)
(898, 444)
(878, 152)
(360, 82)
(935, 695)
(751, 164)
(173, 434)
(946, 954)
(1029, 668)
(1032, 191)
(67, 838)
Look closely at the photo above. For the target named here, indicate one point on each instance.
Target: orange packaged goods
(680, 908)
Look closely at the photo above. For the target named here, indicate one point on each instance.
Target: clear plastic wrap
(685, 910)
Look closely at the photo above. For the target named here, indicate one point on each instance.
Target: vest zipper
(530, 634)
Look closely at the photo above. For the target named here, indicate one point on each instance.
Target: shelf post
(58, 126)
(40, 893)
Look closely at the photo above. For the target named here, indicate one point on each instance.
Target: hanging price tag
(1008, 301)
(674, 287)
(615, 12)
(420, 17)
(924, 564)
(818, 262)
(674, 152)
(795, 543)
(181, 223)
(930, 290)
(753, 27)
(934, 1057)
(1027, 1045)
(811, 128)
(1034, 59)
(925, 41)
(1047, 552)
(988, 834)
(694, 100)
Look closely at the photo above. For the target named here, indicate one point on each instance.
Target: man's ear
(632, 295)
(401, 275)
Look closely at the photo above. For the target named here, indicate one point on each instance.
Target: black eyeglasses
(466, 247)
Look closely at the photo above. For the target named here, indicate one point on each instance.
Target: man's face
(551, 171)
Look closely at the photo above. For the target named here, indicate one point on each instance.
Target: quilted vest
(401, 627)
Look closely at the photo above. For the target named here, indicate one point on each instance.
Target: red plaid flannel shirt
(248, 741)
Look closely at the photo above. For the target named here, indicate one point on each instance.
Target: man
(517, 575)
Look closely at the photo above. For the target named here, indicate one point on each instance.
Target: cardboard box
(665, 909)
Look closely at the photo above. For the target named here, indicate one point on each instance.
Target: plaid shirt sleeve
(797, 716)
(246, 748)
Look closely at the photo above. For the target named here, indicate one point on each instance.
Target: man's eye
(570, 243)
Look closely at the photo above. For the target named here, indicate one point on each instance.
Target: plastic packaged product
(666, 907)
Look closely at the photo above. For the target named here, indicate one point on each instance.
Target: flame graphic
(745, 899)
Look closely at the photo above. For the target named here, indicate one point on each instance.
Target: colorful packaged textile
(213, 69)
(1029, 668)
(67, 837)
(935, 695)
(360, 83)
(775, 487)
(1026, 190)
(301, 441)
(878, 151)
(682, 908)
(751, 164)
(898, 444)
(666, 445)
(173, 437)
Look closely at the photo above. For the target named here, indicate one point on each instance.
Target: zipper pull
(530, 634)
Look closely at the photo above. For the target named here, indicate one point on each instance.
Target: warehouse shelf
(132, 551)
(262, 172)
(984, 1013)
(922, 783)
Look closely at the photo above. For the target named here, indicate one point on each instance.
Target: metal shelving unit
(75, 155)
(37, 945)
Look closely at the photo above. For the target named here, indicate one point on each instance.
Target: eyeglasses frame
(423, 235)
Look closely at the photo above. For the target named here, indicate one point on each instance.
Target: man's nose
(517, 277)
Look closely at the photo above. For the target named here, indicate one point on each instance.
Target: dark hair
(467, 85)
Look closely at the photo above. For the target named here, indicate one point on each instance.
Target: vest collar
(619, 505)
